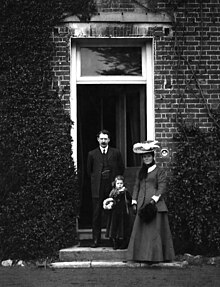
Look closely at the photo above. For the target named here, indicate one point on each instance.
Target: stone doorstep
(80, 254)
(87, 257)
(115, 264)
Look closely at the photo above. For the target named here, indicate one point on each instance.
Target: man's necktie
(104, 156)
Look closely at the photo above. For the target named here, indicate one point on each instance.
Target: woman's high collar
(151, 168)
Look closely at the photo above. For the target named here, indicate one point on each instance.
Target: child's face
(119, 183)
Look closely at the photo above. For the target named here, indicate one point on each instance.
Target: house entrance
(121, 109)
(111, 88)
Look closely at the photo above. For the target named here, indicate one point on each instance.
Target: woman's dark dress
(151, 241)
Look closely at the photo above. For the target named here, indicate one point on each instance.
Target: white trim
(150, 93)
(73, 101)
(110, 80)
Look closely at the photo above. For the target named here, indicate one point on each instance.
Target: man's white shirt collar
(104, 148)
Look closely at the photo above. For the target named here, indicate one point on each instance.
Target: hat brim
(146, 147)
(142, 151)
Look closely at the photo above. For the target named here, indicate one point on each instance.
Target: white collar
(104, 148)
(151, 168)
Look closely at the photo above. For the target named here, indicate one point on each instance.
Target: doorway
(121, 109)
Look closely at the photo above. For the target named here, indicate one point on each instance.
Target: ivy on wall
(39, 196)
(194, 191)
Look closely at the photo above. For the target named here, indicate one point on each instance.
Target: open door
(121, 109)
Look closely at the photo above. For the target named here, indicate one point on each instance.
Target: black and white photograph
(109, 143)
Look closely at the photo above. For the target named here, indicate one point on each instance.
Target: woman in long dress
(151, 241)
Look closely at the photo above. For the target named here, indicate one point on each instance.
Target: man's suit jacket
(95, 167)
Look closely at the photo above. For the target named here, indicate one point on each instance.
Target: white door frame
(147, 79)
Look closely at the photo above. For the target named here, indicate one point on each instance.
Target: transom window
(111, 61)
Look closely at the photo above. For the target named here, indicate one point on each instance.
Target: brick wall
(186, 69)
(61, 64)
(186, 59)
(188, 62)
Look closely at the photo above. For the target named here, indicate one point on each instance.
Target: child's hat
(145, 147)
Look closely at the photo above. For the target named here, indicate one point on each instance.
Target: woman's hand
(155, 198)
(134, 208)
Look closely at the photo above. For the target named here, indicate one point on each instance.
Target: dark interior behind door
(117, 108)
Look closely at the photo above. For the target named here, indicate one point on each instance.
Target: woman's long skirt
(151, 241)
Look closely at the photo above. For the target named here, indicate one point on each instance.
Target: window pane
(111, 61)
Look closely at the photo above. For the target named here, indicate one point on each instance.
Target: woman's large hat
(144, 147)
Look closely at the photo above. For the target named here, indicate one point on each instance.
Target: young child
(118, 225)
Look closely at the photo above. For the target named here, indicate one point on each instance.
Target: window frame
(123, 79)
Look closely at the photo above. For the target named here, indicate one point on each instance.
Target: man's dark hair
(105, 132)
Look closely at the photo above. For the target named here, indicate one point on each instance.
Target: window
(111, 61)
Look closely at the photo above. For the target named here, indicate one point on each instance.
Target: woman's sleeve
(161, 182)
(136, 187)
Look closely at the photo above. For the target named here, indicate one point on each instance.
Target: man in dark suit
(103, 164)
